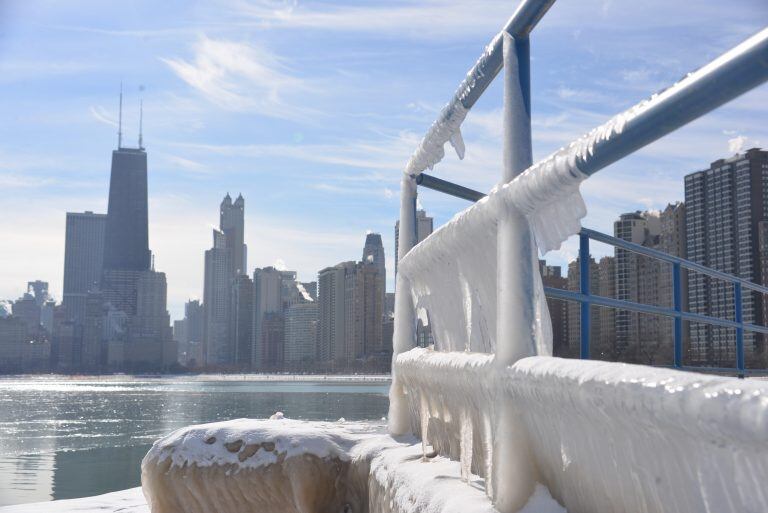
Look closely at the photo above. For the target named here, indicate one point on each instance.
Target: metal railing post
(740, 329)
(677, 301)
(404, 337)
(585, 291)
(513, 475)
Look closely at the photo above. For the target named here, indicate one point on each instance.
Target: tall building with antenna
(129, 282)
(126, 243)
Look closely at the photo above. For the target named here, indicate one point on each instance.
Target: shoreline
(319, 378)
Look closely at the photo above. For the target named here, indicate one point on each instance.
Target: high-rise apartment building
(726, 205)
(268, 296)
(217, 347)
(551, 276)
(332, 340)
(83, 259)
(301, 323)
(646, 338)
(573, 309)
(641, 228)
(604, 348)
(241, 321)
(273, 341)
(364, 312)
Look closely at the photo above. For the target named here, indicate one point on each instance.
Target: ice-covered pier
(488, 420)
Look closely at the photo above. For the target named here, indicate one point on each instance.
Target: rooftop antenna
(120, 120)
(141, 119)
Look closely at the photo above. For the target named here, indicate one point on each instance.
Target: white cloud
(186, 164)
(102, 115)
(241, 77)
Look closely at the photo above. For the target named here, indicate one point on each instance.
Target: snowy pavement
(125, 501)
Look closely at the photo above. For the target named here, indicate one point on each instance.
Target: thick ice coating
(603, 437)
(259, 465)
(291, 466)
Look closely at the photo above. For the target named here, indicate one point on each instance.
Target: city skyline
(212, 125)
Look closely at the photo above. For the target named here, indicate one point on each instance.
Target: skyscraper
(133, 290)
(301, 324)
(642, 228)
(726, 206)
(267, 299)
(83, 259)
(126, 242)
(364, 304)
(373, 254)
(241, 321)
(232, 223)
(217, 348)
(332, 341)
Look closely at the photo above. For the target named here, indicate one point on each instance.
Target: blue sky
(311, 109)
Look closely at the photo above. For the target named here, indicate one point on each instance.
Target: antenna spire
(141, 120)
(120, 120)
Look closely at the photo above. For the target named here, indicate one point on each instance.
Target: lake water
(62, 437)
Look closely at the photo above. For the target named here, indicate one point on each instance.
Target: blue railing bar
(450, 188)
(740, 329)
(584, 288)
(636, 248)
(570, 295)
(677, 300)
(466, 193)
(735, 72)
(722, 370)
(487, 67)
(519, 25)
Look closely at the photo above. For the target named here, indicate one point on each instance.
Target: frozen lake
(63, 437)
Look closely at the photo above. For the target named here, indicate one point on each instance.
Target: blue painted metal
(737, 304)
(586, 300)
(446, 187)
(687, 264)
(677, 300)
(525, 17)
(732, 74)
(584, 287)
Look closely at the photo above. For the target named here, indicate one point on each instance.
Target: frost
(599, 437)
(445, 129)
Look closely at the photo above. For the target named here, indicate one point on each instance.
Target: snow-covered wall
(603, 437)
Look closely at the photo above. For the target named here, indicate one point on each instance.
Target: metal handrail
(586, 299)
(687, 264)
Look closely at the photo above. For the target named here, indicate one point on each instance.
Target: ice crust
(320, 467)
(259, 465)
(603, 437)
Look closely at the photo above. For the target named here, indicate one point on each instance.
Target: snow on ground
(125, 501)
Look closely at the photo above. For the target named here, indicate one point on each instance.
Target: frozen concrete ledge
(290, 466)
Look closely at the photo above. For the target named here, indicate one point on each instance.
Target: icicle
(488, 448)
(457, 141)
(466, 446)
(424, 410)
(467, 297)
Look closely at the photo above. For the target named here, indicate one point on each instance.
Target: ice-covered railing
(476, 278)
